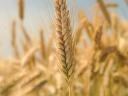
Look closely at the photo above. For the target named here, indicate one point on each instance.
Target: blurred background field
(36, 11)
(29, 60)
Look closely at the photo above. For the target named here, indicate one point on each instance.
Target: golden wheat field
(82, 56)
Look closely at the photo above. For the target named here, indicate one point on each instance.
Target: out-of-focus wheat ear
(10, 81)
(42, 44)
(107, 51)
(112, 5)
(65, 41)
(126, 1)
(29, 77)
(86, 24)
(78, 33)
(104, 11)
(14, 39)
(51, 43)
(26, 35)
(29, 58)
(25, 46)
(98, 37)
(21, 6)
(34, 85)
(27, 42)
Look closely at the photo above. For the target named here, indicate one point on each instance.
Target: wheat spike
(42, 44)
(21, 9)
(65, 41)
(104, 10)
(65, 38)
(98, 38)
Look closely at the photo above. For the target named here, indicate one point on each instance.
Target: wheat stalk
(14, 39)
(27, 37)
(65, 40)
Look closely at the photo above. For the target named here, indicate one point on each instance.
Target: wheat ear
(21, 9)
(65, 40)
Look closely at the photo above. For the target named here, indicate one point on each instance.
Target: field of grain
(90, 59)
